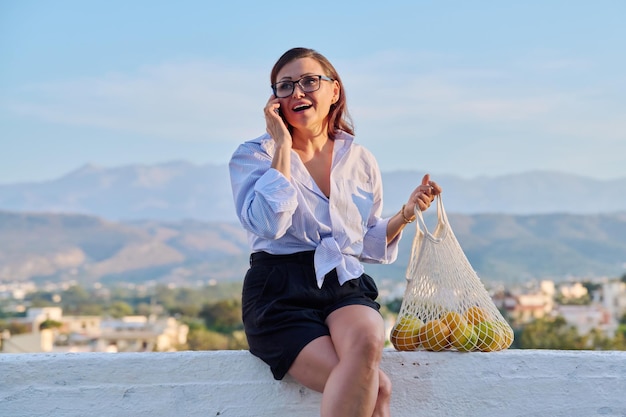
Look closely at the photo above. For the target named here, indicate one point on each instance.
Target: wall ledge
(236, 384)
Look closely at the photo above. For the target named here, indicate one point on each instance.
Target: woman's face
(307, 111)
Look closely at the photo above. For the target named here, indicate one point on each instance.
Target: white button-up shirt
(286, 216)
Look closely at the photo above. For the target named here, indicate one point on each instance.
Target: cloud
(502, 119)
(503, 98)
(183, 101)
(417, 101)
(194, 100)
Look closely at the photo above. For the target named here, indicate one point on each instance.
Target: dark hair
(338, 116)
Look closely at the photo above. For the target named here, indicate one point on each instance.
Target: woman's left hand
(422, 196)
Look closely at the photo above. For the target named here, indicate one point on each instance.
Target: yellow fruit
(434, 335)
(405, 333)
(452, 319)
(475, 315)
(463, 337)
(503, 336)
(507, 336)
(487, 337)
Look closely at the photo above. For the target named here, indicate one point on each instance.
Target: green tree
(41, 299)
(596, 339)
(583, 300)
(200, 338)
(238, 340)
(223, 316)
(185, 309)
(591, 286)
(394, 305)
(119, 309)
(90, 309)
(144, 309)
(50, 324)
(555, 333)
(550, 333)
(75, 301)
(619, 342)
(203, 339)
(13, 327)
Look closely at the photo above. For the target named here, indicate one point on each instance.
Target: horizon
(471, 90)
(90, 165)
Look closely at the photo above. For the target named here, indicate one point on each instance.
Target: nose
(297, 90)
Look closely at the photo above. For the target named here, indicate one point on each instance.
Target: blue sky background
(480, 88)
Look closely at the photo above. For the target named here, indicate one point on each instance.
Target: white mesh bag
(445, 305)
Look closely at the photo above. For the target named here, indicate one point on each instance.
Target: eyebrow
(301, 75)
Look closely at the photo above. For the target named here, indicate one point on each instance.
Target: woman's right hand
(276, 126)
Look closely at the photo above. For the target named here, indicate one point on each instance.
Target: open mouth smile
(301, 107)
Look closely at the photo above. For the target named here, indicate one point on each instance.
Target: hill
(180, 190)
(501, 247)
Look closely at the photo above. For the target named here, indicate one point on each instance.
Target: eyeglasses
(307, 84)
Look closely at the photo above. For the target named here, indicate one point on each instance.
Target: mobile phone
(280, 113)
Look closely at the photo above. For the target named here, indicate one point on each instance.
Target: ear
(336, 92)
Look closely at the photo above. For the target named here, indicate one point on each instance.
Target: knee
(369, 346)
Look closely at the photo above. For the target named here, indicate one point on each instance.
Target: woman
(311, 201)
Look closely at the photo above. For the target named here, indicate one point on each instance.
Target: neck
(310, 148)
(309, 141)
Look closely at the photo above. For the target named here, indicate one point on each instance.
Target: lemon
(404, 335)
(463, 337)
(487, 337)
(475, 315)
(452, 319)
(503, 336)
(434, 335)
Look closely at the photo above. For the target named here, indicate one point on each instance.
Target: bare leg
(383, 401)
(345, 366)
(315, 363)
(358, 336)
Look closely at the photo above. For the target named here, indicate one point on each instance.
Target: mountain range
(180, 190)
(174, 223)
(502, 248)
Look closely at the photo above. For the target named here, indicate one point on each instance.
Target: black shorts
(284, 310)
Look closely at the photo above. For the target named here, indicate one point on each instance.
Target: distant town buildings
(600, 310)
(93, 333)
(595, 306)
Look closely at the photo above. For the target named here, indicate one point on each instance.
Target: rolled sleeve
(375, 246)
(276, 191)
(264, 198)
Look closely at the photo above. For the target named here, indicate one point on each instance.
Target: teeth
(302, 106)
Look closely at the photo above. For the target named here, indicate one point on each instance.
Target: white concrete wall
(235, 384)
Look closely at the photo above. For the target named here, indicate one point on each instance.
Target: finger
(428, 190)
(422, 205)
(426, 179)
(272, 112)
(435, 187)
(423, 201)
(272, 104)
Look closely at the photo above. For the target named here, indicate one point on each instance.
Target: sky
(468, 88)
